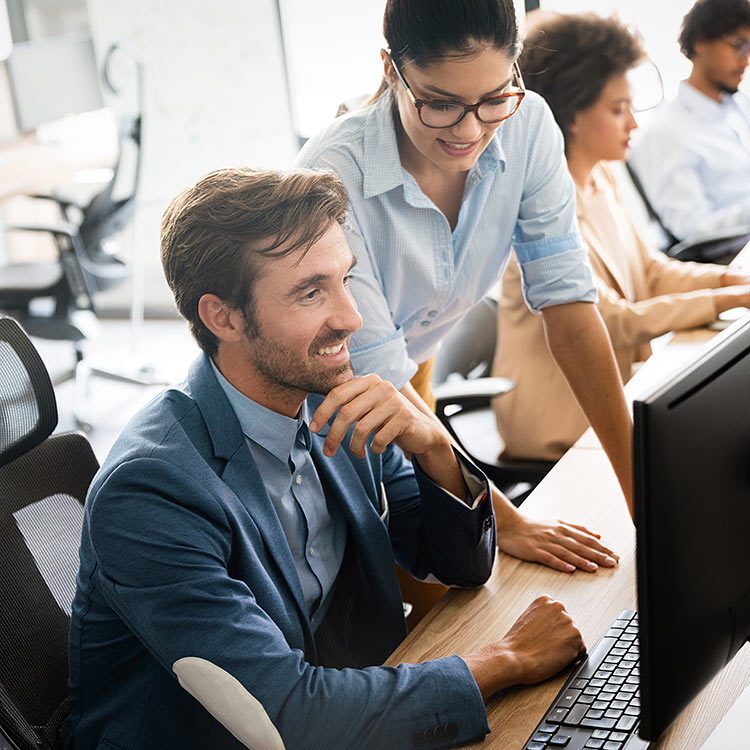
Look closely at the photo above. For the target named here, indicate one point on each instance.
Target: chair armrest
(58, 228)
(474, 393)
(711, 249)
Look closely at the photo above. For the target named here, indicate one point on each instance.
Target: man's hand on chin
(376, 408)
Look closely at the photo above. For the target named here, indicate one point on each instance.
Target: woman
(447, 166)
(579, 64)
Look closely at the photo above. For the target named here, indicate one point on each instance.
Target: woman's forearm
(579, 343)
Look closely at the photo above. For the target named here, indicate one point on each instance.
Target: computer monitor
(52, 78)
(692, 504)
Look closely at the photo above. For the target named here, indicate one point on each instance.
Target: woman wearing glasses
(579, 64)
(451, 162)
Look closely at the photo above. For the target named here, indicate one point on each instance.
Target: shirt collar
(269, 429)
(701, 105)
(382, 164)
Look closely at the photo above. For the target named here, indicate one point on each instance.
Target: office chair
(86, 265)
(719, 248)
(464, 393)
(43, 483)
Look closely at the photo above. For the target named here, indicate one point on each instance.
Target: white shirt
(417, 277)
(694, 163)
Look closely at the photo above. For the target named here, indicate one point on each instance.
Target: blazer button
(451, 729)
(487, 523)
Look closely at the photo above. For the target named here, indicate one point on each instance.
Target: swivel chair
(43, 483)
(720, 247)
(464, 394)
(85, 264)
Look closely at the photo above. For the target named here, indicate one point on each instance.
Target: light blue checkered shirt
(314, 527)
(415, 278)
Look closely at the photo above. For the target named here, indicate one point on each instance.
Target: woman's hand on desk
(556, 544)
(542, 641)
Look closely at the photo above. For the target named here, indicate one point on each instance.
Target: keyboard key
(618, 651)
(615, 680)
(633, 711)
(576, 714)
(622, 672)
(579, 684)
(592, 690)
(568, 698)
(632, 680)
(594, 714)
(587, 699)
(626, 688)
(559, 740)
(618, 736)
(626, 723)
(619, 705)
(600, 705)
(613, 688)
(610, 745)
(594, 744)
(597, 683)
(599, 723)
(610, 667)
(600, 734)
(548, 728)
(630, 657)
(613, 713)
(557, 715)
(636, 701)
(541, 737)
(535, 746)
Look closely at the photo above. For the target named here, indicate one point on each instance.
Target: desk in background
(581, 488)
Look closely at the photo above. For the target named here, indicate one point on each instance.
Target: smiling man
(694, 160)
(237, 584)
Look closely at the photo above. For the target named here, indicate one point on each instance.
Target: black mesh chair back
(43, 484)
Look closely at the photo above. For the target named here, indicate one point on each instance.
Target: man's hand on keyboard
(542, 641)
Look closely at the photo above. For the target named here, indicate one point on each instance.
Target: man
(237, 584)
(694, 160)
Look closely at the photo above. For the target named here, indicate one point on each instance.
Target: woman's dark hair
(712, 19)
(425, 31)
(569, 59)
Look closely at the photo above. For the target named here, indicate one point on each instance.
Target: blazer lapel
(240, 473)
(373, 545)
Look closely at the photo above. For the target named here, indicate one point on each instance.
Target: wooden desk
(582, 487)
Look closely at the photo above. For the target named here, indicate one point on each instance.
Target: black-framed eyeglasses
(740, 46)
(445, 113)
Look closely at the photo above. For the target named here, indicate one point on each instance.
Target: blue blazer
(182, 555)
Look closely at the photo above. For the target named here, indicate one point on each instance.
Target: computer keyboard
(599, 706)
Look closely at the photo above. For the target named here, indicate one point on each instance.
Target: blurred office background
(223, 83)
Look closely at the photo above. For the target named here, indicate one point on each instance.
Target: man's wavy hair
(216, 235)
(570, 58)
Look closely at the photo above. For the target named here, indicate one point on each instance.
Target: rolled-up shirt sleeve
(554, 264)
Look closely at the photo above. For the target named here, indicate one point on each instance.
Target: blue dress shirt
(416, 277)
(314, 527)
(694, 163)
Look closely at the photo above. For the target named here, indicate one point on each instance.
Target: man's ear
(225, 322)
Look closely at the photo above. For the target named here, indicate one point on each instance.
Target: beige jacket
(642, 294)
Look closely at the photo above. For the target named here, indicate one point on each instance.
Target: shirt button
(425, 323)
(312, 551)
(298, 479)
(432, 313)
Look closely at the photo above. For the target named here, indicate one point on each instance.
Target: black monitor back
(692, 492)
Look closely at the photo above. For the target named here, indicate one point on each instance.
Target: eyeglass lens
(445, 114)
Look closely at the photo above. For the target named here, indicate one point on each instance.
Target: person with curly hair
(694, 160)
(579, 64)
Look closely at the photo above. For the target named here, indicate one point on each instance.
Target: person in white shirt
(694, 159)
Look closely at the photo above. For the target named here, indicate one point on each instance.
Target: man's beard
(283, 368)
